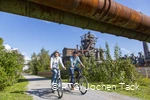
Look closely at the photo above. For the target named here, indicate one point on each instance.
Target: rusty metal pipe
(103, 10)
(30, 9)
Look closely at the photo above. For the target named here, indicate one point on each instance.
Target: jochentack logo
(106, 87)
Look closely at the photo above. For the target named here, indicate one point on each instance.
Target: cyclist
(74, 60)
(54, 65)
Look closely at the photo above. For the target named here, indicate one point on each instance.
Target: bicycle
(58, 85)
(80, 81)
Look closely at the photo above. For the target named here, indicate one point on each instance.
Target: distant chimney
(146, 49)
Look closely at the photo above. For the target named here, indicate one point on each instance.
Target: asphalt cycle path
(40, 89)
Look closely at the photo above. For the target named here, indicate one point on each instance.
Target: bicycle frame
(58, 79)
(58, 76)
(79, 74)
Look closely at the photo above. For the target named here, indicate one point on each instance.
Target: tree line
(39, 62)
(110, 70)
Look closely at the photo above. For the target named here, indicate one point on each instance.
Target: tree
(1, 44)
(44, 60)
(120, 53)
(101, 54)
(11, 64)
(108, 56)
(117, 53)
(33, 64)
(39, 62)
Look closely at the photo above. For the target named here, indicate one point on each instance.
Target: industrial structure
(146, 53)
(140, 60)
(143, 65)
(87, 48)
(105, 16)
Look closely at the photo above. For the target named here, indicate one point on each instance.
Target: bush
(110, 71)
(11, 64)
(66, 73)
(144, 81)
(3, 78)
(39, 62)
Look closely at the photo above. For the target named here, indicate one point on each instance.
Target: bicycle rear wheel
(60, 89)
(83, 85)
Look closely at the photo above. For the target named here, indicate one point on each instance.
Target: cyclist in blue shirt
(75, 60)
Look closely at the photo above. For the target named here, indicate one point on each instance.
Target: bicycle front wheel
(83, 85)
(60, 89)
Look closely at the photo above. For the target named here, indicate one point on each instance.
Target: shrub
(110, 71)
(3, 78)
(66, 73)
(11, 64)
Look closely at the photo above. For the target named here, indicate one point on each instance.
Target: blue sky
(30, 35)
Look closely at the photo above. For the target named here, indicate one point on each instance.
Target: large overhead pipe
(103, 10)
(30, 9)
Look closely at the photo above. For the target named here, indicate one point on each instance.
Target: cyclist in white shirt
(54, 65)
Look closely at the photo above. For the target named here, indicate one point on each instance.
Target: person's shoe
(72, 88)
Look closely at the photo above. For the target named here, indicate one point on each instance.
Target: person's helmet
(75, 52)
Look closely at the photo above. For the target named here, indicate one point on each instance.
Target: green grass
(16, 92)
(143, 93)
(65, 80)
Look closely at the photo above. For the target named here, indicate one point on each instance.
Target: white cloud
(125, 50)
(23, 53)
(25, 67)
(15, 49)
(7, 47)
(27, 57)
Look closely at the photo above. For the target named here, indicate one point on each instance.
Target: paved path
(39, 88)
